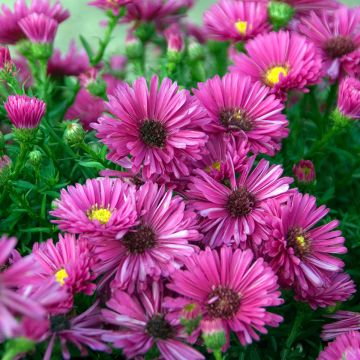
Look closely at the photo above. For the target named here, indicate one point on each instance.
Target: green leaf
(91, 164)
(87, 47)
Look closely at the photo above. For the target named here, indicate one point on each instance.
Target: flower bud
(213, 334)
(35, 158)
(5, 167)
(304, 171)
(280, 13)
(190, 317)
(74, 133)
(196, 51)
(133, 46)
(5, 59)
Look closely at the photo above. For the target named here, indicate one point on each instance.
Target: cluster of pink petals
(304, 171)
(25, 112)
(241, 108)
(221, 19)
(288, 50)
(235, 274)
(174, 38)
(337, 35)
(349, 98)
(346, 321)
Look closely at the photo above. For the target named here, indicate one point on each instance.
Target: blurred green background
(85, 20)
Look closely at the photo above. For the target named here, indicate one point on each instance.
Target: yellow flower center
(216, 165)
(272, 76)
(241, 27)
(102, 215)
(60, 276)
(301, 242)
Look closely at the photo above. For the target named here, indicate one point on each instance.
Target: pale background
(85, 20)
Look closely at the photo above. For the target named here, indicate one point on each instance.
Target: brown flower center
(240, 202)
(153, 133)
(158, 328)
(236, 119)
(339, 46)
(299, 240)
(223, 303)
(139, 240)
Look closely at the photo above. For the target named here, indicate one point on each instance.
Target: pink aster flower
(68, 262)
(12, 278)
(86, 108)
(336, 34)
(304, 171)
(304, 7)
(241, 108)
(234, 214)
(345, 347)
(233, 287)
(143, 322)
(39, 28)
(349, 98)
(72, 64)
(281, 60)
(236, 20)
(11, 31)
(174, 38)
(25, 112)
(156, 247)
(157, 127)
(346, 321)
(100, 207)
(300, 253)
(113, 5)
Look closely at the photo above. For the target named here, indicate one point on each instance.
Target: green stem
(329, 103)
(218, 354)
(20, 161)
(93, 154)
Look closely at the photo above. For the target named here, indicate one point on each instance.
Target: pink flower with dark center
(280, 60)
(233, 287)
(68, 262)
(241, 108)
(12, 278)
(304, 171)
(157, 127)
(300, 253)
(337, 36)
(349, 98)
(235, 213)
(154, 248)
(39, 28)
(143, 323)
(25, 112)
(236, 20)
(345, 347)
(100, 207)
(346, 321)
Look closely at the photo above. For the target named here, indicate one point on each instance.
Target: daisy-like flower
(300, 253)
(12, 278)
(101, 207)
(156, 247)
(143, 322)
(346, 321)
(156, 126)
(234, 214)
(39, 28)
(349, 98)
(280, 60)
(336, 34)
(345, 347)
(24, 112)
(73, 63)
(236, 20)
(233, 287)
(68, 262)
(239, 107)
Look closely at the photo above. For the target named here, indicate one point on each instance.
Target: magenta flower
(101, 207)
(11, 31)
(68, 262)
(143, 322)
(12, 278)
(304, 7)
(349, 98)
(235, 214)
(280, 60)
(336, 34)
(72, 64)
(241, 108)
(39, 28)
(156, 247)
(304, 171)
(113, 5)
(346, 321)
(345, 347)
(25, 112)
(158, 127)
(236, 20)
(5, 58)
(174, 38)
(300, 253)
(118, 63)
(231, 286)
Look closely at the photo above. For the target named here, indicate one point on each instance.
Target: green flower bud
(213, 334)
(35, 158)
(74, 133)
(196, 51)
(280, 14)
